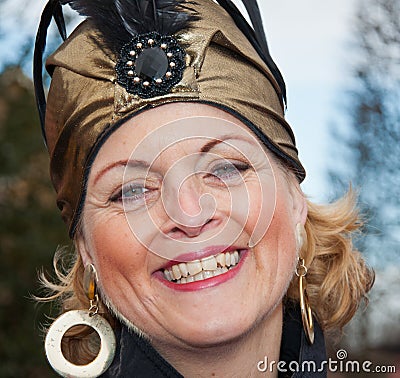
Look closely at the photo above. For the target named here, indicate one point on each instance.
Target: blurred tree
(30, 224)
(371, 158)
(373, 149)
(19, 22)
(30, 228)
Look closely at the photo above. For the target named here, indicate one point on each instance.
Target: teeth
(183, 269)
(227, 259)
(168, 275)
(209, 263)
(217, 272)
(199, 276)
(198, 270)
(176, 272)
(194, 267)
(221, 259)
(208, 274)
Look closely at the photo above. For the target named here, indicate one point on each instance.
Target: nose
(190, 209)
(181, 231)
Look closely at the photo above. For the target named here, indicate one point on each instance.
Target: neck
(238, 358)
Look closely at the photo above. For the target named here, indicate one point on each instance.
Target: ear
(82, 248)
(303, 209)
(300, 208)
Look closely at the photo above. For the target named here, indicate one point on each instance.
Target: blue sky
(308, 39)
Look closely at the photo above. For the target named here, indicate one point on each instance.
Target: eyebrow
(222, 139)
(145, 165)
(210, 145)
(122, 163)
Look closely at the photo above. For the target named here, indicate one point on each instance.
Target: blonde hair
(338, 278)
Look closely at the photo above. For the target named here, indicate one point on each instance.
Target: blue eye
(228, 170)
(133, 192)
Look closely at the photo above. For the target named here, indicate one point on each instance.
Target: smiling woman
(178, 178)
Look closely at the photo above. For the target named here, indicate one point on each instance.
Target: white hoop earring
(53, 345)
(73, 318)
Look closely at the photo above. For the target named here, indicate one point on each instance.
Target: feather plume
(50, 11)
(118, 20)
(121, 20)
(256, 36)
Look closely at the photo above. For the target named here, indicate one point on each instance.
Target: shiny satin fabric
(85, 103)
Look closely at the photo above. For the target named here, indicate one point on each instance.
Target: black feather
(121, 20)
(60, 22)
(254, 12)
(118, 20)
(52, 9)
(256, 36)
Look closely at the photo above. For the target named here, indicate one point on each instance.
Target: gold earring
(90, 287)
(305, 308)
(90, 318)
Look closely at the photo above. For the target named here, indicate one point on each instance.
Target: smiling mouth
(198, 270)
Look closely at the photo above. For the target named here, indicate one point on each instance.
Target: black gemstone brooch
(150, 65)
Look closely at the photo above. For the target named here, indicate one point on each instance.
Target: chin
(214, 331)
(212, 323)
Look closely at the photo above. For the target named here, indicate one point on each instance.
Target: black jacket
(136, 358)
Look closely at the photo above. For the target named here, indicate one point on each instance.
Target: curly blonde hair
(338, 278)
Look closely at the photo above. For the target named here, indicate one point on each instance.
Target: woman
(178, 178)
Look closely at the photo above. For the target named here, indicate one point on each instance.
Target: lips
(201, 269)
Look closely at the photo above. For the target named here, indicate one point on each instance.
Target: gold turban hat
(87, 100)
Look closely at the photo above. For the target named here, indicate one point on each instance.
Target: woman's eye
(133, 192)
(229, 170)
(130, 193)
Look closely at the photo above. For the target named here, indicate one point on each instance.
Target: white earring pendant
(53, 345)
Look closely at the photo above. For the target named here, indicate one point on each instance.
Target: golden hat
(92, 93)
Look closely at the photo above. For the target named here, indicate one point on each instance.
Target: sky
(308, 40)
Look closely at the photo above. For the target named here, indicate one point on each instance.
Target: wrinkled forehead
(177, 127)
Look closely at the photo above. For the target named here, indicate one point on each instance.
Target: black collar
(136, 358)
(296, 352)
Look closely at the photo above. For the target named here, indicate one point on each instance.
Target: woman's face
(190, 227)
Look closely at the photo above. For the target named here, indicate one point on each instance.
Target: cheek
(276, 252)
(259, 207)
(116, 253)
(281, 241)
